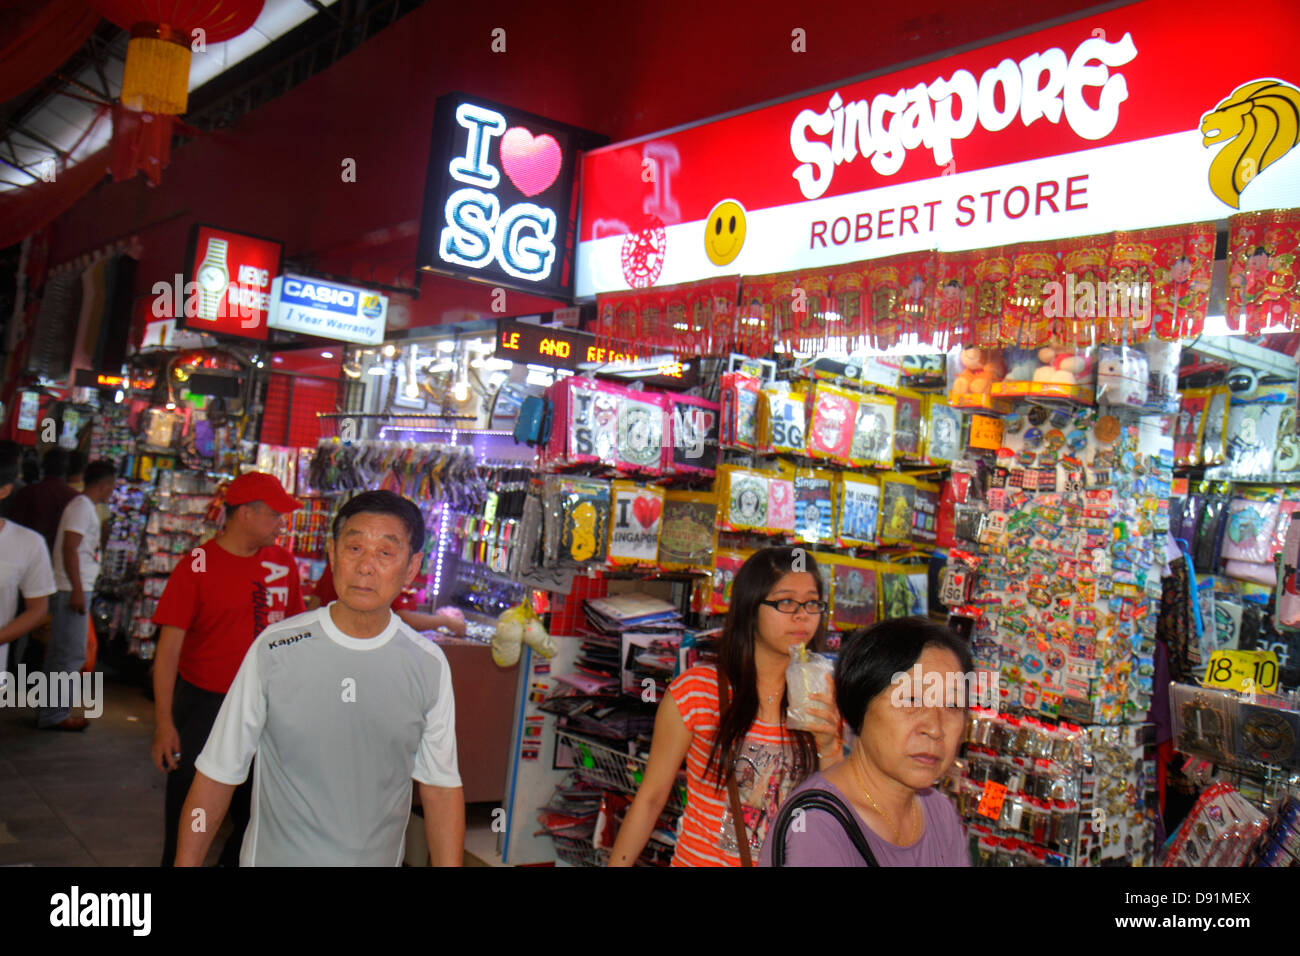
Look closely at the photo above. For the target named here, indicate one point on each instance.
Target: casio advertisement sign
(499, 198)
(329, 310)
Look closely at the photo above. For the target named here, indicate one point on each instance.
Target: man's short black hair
(871, 656)
(77, 463)
(55, 464)
(385, 503)
(98, 471)
(11, 462)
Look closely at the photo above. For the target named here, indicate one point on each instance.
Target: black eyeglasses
(790, 606)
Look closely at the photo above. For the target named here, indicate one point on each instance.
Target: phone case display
(814, 506)
(900, 520)
(781, 514)
(640, 442)
(904, 590)
(1189, 428)
(859, 510)
(586, 422)
(873, 432)
(743, 497)
(725, 566)
(576, 513)
(943, 431)
(687, 530)
(925, 513)
(692, 448)
(781, 422)
(909, 425)
(634, 530)
(831, 422)
(853, 591)
(740, 410)
(1252, 439)
(1221, 830)
(1122, 376)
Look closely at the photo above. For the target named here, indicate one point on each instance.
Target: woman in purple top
(901, 684)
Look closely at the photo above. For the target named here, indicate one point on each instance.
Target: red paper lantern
(163, 34)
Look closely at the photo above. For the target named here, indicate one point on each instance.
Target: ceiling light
(389, 350)
(278, 359)
(461, 391)
(376, 370)
(171, 406)
(118, 396)
(446, 345)
(327, 355)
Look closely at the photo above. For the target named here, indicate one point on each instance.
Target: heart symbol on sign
(647, 510)
(531, 162)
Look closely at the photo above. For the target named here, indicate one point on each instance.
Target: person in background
(907, 739)
(343, 707)
(24, 567)
(40, 506)
(403, 606)
(76, 565)
(777, 604)
(218, 599)
(77, 462)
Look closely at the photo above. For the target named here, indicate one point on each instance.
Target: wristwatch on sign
(213, 278)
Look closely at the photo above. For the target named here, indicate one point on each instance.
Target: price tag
(1243, 671)
(985, 432)
(991, 801)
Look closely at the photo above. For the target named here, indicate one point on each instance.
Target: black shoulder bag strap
(818, 800)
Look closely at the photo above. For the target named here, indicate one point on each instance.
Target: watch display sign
(228, 291)
(499, 196)
(327, 309)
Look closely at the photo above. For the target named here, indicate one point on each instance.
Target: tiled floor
(95, 798)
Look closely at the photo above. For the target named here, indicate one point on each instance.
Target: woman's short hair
(871, 656)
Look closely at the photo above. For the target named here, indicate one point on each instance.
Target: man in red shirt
(218, 599)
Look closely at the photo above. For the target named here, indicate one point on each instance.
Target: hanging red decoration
(155, 83)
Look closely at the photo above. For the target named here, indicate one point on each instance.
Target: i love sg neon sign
(498, 195)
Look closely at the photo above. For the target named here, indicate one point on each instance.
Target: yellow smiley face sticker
(724, 232)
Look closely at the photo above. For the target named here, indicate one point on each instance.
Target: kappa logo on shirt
(291, 639)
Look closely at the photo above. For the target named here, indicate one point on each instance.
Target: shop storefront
(1008, 339)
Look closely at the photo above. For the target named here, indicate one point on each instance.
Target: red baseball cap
(259, 486)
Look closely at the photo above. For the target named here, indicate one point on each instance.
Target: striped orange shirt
(765, 768)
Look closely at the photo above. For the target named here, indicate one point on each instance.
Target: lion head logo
(1259, 123)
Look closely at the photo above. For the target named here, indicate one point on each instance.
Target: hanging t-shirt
(223, 602)
(24, 568)
(339, 726)
(766, 767)
(80, 517)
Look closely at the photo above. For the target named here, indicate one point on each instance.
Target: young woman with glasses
(778, 603)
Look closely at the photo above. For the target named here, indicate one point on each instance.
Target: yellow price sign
(1254, 671)
(985, 432)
